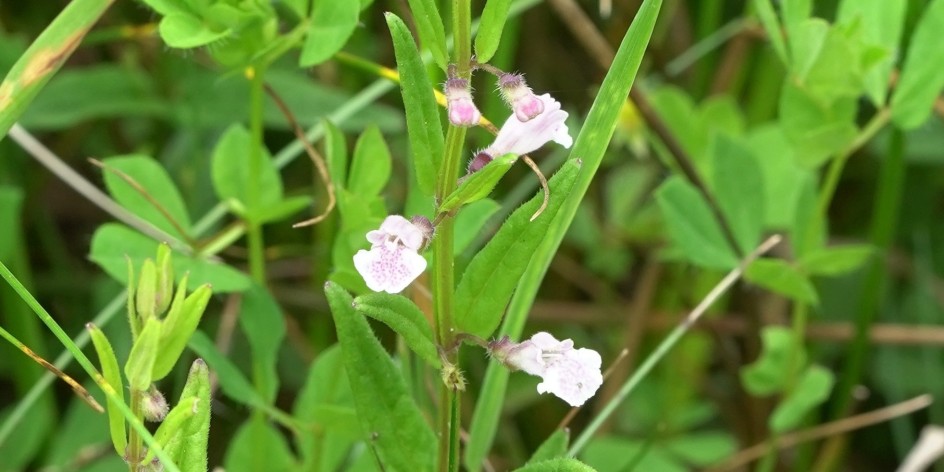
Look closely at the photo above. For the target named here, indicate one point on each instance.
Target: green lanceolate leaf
(144, 295)
(192, 452)
(490, 29)
(692, 225)
(404, 317)
(231, 173)
(781, 356)
(112, 374)
(557, 465)
(555, 446)
(429, 25)
(739, 189)
(478, 185)
(331, 24)
(422, 114)
(398, 431)
(470, 221)
(839, 260)
(921, 76)
(492, 275)
(811, 390)
(173, 426)
(261, 321)
(371, 165)
(114, 244)
(143, 353)
(44, 58)
(178, 327)
(158, 187)
(782, 277)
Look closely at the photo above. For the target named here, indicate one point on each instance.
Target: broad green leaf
(921, 76)
(555, 446)
(326, 386)
(112, 374)
(44, 58)
(168, 7)
(232, 173)
(259, 446)
(398, 430)
(840, 65)
(478, 185)
(178, 327)
(232, 381)
(835, 260)
(143, 353)
(692, 226)
(810, 391)
(371, 164)
(283, 209)
(618, 453)
(492, 275)
(782, 355)
(158, 186)
(783, 176)
(806, 46)
(336, 154)
(422, 114)
(817, 130)
(594, 138)
(108, 91)
(429, 25)
(185, 31)
(470, 220)
(404, 317)
(565, 464)
(795, 13)
(264, 326)
(113, 244)
(331, 24)
(768, 18)
(739, 190)
(881, 23)
(782, 277)
(490, 29)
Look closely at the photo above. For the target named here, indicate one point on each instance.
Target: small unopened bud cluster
(513, 88)
(154, 405)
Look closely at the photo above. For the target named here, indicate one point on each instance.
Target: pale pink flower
(519, 138)
(572, 374)
(459, 105)
(393, 261)
(520, 97)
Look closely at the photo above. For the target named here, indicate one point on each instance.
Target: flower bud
(459, 105)
(479, 161)
(519, 96)
(164, 289)
(154, 405)
(426, 227)
(144, 295)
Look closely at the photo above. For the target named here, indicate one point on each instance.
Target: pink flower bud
(479, 161)
(520, 97)
(459, 105)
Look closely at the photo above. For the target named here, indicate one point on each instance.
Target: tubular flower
(459, 105)
(519, 138)
(571, 374)
(520, 97)
(393, 261)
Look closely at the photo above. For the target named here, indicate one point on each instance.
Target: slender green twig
(668, 343)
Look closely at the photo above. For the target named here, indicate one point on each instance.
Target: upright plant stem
(443, 243)
(254, 232)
